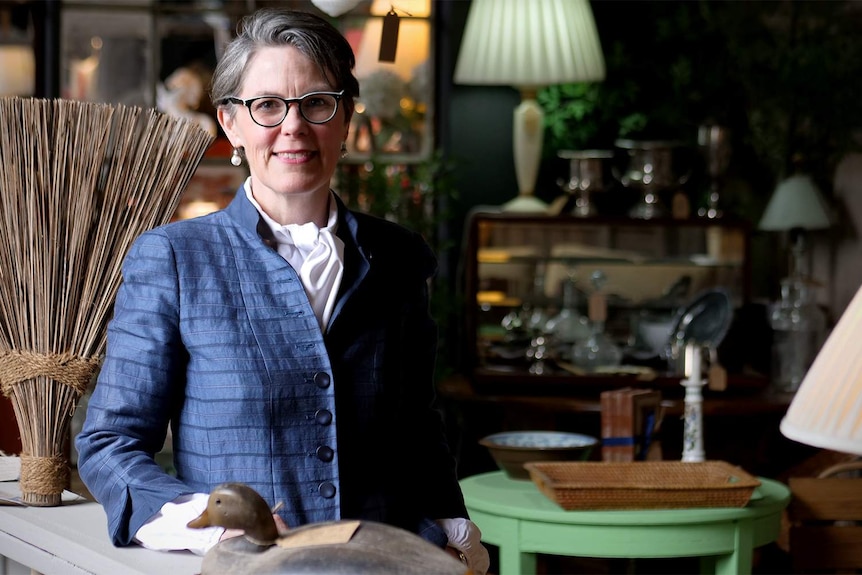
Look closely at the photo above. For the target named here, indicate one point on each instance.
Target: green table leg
(505, 533)
(707, 564)
(738, 562)
(514, 562)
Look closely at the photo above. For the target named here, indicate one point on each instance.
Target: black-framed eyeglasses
(270, 111)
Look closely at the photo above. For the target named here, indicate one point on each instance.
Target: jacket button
(325, 453)
(326, 490)
(321, 379)
(323, 417)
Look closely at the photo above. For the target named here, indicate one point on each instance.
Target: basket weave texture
(595, 485)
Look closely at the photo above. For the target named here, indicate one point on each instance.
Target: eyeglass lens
(316, 108)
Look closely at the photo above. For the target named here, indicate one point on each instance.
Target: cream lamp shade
(795, 204)
(528, 45)
(826, 411)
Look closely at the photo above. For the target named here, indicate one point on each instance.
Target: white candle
(693, 415)
(692, 361)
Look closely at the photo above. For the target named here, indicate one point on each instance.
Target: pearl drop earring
(235, 158)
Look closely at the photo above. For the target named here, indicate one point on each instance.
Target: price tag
(328, 534)
(717, 377)
(389, 37)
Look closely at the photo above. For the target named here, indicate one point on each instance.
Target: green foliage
(417, 196)
(566, 107)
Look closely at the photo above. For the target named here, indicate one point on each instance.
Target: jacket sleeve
(133, 400)
(433, 463)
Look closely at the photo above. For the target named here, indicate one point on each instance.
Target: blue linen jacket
(214, 335)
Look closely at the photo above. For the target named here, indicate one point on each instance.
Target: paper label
(717, 377)
(332, 534)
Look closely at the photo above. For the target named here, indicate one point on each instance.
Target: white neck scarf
(317, 255)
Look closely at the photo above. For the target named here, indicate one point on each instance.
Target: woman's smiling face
(295, 157)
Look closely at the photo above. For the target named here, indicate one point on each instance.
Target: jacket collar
(357, 254)
(243, 212)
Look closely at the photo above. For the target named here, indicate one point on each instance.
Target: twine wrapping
(43, 475)
(65, 368)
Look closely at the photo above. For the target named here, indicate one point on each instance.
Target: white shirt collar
(316, 254)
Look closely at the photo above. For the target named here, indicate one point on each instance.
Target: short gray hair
(316, 38)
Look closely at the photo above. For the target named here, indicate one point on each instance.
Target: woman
(285, 339)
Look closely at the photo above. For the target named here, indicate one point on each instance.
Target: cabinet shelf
(694, 261)
(559, 382)
(516, 266)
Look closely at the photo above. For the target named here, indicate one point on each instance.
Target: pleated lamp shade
(530, 43)
(826, 411)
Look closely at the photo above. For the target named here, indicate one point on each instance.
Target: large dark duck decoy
(344, 547)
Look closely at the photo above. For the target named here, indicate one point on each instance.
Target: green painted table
(516, 517)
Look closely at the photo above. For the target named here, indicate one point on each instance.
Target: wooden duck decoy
(332, 547)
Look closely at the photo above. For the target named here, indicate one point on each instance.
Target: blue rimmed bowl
(512, 449)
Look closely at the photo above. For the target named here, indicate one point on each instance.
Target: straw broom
(79, 181)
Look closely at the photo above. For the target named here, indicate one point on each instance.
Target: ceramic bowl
(511, 449)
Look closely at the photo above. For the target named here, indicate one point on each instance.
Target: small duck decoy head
(238, 506)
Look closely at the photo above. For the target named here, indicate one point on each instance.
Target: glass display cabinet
(544, 292)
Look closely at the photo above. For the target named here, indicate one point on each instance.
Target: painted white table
(72, 539)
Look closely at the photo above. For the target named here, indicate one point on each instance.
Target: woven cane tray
(593, 485)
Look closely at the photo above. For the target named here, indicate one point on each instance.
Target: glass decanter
(568, 326)
(598, 350)
(798, 327)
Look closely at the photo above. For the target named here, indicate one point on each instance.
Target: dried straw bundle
(79, 182)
